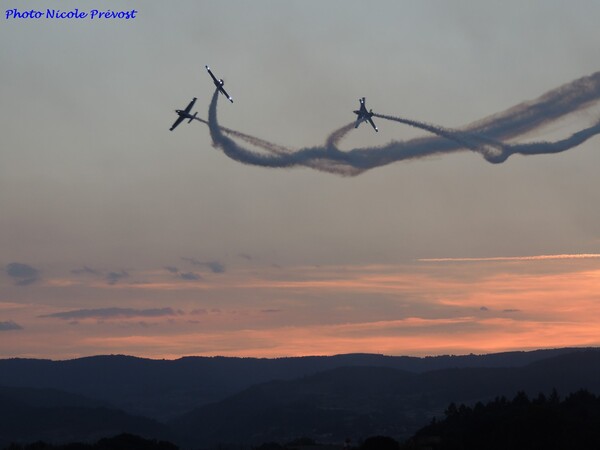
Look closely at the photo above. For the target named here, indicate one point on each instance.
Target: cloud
(112, 313)
(190, 276)
(10, 326)
(203, 311)
(516, 258)
(214, 266)
(484, 308)
(23, 274)
(510, 310)
(115, 277)
(85, 270)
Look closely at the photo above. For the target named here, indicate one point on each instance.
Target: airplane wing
(373, 124)
(177, 122)
(211, 75)
(190, 106)
(226, 94)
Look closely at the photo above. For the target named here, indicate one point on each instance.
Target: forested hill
(163, 389)
(523, 423)
(358, 402)
(348, 401)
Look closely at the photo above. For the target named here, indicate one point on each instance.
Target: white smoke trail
(515, 258)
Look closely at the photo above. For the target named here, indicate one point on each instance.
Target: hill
(164, 389)
(543, 422)
(326, 398)
(358, 402)
(28, 415)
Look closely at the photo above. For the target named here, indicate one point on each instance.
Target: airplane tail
(193, 117)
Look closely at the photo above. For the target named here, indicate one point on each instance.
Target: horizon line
(440, 355)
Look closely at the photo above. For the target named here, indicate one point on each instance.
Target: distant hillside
(46, 398)
(28, 415)
(358, 402)
(164, 389)
(123, 441)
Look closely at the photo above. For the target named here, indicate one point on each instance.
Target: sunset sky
(119, 236)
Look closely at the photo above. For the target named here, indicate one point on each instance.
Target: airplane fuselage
(219, 83)
(364, 115)
(184, 114)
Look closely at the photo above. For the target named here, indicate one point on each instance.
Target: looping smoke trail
(484, 136)
(543, 147)
(325, 165)
(334, 138)
(258, 142)
(309, 156)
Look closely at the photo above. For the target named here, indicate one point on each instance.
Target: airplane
(364, 115)
(219, 84)
(184, 114)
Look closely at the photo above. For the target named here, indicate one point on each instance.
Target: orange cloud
(397, 309)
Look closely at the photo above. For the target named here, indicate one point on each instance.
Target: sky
(118, 236)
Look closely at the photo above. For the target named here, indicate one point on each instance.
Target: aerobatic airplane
(364, 115)
(219, 84)
(184, 114)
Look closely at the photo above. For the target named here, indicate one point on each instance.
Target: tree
(380, 443)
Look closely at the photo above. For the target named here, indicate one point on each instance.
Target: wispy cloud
(115, 277)
(203, 311)
(85, 270)
(515, 258)
(187, 276)
(415, 309)
(190, 276)
(22, 274)
(214, 266)
(111, 313)
(10, 326)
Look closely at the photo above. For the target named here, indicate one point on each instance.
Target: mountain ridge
(163, 389)
(359, 401)
(328, 405)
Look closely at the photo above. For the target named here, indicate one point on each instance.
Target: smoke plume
(487, 136)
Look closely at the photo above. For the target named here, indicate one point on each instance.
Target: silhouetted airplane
(184, 114)
(364, 115)
(219, 84)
